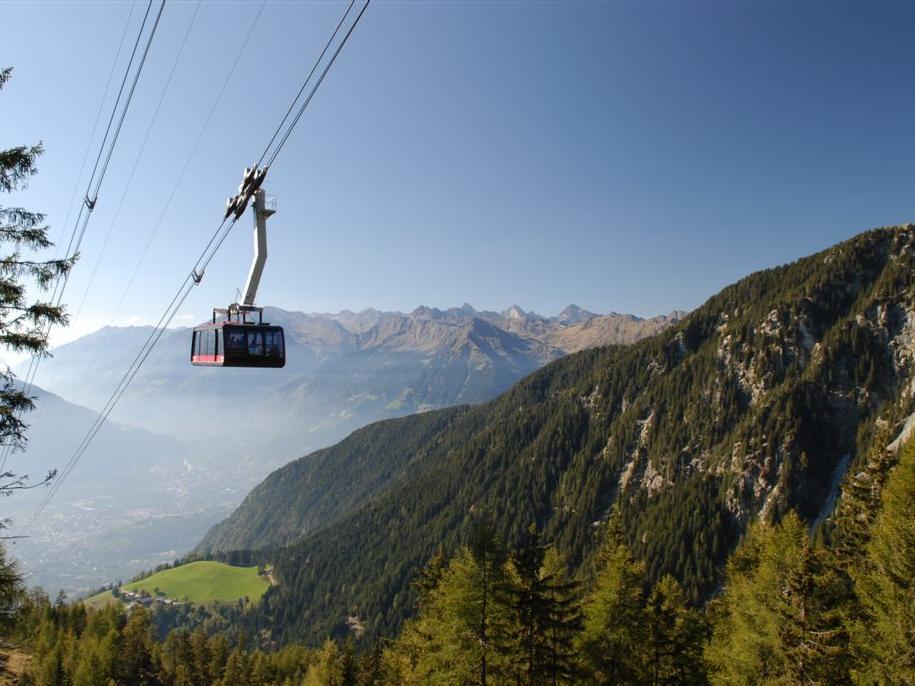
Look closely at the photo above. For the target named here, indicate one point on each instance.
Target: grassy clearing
(204, 582)
(100, 600)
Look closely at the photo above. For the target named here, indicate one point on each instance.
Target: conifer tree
(237, 670)
(612, 634)
(349, 664)
(857, 510)
(200, 648)
(480, 599)
(326, 669)
(779, 619)
(428, 578)
(545, 614)
(23, 324)
(219, 655)
(93, 665)
(883, 641)
(810, 630)
(674, 638)
(134, 664)
(261, 672)
(461, 632)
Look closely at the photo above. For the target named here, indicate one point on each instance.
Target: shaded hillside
(314, 490)
(751, 405)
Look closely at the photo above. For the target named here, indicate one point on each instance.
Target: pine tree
(812, 636)
(545, 614)
(92, 668)
(428, 578)
(52, 671)
(349, 665)
(326, 670)
(370, 668)
(237, 671)
(744, 647)
(857, 510)
(779, 619)
(219, 654)
(461, 632)
(883, 641)
(261, 672)
(613, 630)
(674, 637)
(479, 599)
(134, 664)
(23, 325)
(11, 589)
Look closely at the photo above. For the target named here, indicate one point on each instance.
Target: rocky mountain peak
(573, 314)
(514, 312)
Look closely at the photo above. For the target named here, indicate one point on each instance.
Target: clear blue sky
(623, 156)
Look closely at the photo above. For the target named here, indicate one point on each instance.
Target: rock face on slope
(757, 402)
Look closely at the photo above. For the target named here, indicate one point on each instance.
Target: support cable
(93, 187)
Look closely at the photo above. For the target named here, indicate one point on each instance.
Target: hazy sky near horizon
(630, 156)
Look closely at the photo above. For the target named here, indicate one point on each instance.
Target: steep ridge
(744, 409)
(313, 491)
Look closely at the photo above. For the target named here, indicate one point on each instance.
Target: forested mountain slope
(314, 490)
(752, 405)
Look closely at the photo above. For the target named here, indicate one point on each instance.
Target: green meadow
(204, 582)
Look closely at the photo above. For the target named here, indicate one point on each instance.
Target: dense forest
(755, 405)
(793, 609)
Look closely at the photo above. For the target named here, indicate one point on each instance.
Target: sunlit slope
(204, 582)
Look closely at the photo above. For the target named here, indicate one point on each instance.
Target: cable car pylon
(231, 339)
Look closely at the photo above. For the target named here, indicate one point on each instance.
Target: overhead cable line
(8, 448)
(136, 162)
(305, 82)
(314, 88)
(95, 181)
(196, 274)
(88, 203)
(123, 197)
(98, 118)
(179, 178)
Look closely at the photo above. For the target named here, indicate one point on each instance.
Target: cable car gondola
(237, 342)
(231, 339)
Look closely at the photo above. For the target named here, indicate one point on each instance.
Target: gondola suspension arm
(262, 210)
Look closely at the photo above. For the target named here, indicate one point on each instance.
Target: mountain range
(759, 402)
(196, 440)
(343, 371)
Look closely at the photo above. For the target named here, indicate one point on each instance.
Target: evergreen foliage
(752, 406)
(787, 615)
(779, 619)
(613, 630)
(884, 637)
(23, 324)
(544, 610)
